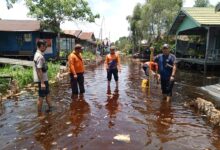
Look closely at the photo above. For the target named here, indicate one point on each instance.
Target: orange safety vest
(112, 60)
(76, 64)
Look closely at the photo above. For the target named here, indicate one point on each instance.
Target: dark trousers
(167, 86)
(114, 72)
(79, 81)
(43, 92)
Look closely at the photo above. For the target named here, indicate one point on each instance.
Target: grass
(23, 75)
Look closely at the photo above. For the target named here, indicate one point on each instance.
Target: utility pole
(100, 35)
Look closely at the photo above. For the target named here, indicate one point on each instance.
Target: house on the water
(205, 23)
(18, 39)
(86, 39)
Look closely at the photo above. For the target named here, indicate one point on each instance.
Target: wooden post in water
(151, 60)
(206, 52)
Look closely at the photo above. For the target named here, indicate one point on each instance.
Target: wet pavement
(94, 120)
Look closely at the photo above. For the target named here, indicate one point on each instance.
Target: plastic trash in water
(123, 137)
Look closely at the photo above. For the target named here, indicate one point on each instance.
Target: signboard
(49, 49)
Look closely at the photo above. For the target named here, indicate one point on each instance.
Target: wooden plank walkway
(16, 62)
(213, 90)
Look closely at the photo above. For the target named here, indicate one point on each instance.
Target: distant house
(67, 42)
(204, 22)
(88, 40)
(74, 33)
(18, 38)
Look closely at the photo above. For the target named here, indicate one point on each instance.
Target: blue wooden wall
(14, 43)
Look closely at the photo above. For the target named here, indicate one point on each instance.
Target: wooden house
(18, 39)
(205, 23)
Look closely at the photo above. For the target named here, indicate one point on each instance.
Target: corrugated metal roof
(203, 15)
(73, 32)
(86, 35)
(19, 25)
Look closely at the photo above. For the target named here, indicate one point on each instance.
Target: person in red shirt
(76, 70)
(112, 65)
(151, 67)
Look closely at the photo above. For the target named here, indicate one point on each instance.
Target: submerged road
(128, 118)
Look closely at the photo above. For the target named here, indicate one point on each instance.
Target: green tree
(201, 3)
(10, 3)
(124, 44)
(53, 13)
(135, 26)
(153, 19)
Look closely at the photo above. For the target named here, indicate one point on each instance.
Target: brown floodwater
(93, 120)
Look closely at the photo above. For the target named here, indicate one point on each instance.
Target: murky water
(92, 121)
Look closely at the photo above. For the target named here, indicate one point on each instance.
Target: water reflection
(112, 105)
(164, 120)
(80, 110)
(45, 134)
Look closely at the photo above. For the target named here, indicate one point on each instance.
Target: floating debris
(42, 133)
(54, 143)
(123, 138)
(68, 122)
(69, 135)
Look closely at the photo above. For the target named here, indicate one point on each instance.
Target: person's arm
(39, 65)
(174, 69)
(106, 62)
(40, 75)
(71, 65)
(119, 63)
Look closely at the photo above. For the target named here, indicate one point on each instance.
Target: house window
(27, 37)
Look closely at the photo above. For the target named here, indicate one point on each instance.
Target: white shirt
(39, 62)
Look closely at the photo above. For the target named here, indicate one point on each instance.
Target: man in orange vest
(112, 65)
(76, 70)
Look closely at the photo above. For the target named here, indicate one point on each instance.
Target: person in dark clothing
(167, 70)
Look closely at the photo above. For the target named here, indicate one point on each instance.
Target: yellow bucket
(145, 83)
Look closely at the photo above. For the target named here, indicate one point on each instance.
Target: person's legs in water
(109, 76)
(80, 80)
(164, 88)
(42, 92)
(39, 105)
(47, 95)
(169, 90)
(74, 86)
(115, 74)
(48, 101)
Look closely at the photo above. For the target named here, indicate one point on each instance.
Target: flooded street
(91, 122)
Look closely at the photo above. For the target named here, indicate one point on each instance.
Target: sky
(112, 19)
